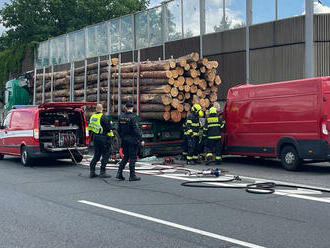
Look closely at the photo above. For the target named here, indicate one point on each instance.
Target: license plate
(147, 135)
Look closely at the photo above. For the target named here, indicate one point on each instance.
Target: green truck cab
(17, 93)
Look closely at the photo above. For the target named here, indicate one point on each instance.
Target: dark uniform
(184, 144)
(192, 131)
(102, 130)
(131, 137)
(212, 129)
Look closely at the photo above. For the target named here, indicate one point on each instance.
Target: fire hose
(168, 164)
(255, 188)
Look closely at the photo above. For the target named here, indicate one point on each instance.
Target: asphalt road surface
(55, 204)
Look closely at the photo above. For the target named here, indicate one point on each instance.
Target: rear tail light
(87, 135)
(146, 126)
(324, 130)
(36, 133)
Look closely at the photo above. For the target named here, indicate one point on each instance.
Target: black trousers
(130, 150)
(184, 145)
(102, 148)
(193, 143)
(214, 146)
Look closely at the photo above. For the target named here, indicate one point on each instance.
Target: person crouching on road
(131, 137)
(213, 128)
(192, 131)
(102, 129)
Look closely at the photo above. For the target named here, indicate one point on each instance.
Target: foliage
(30, 21)
(227, 24)
(37, 20)
(10, 62)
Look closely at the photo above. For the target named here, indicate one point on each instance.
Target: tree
(37, 20)
(227, 24)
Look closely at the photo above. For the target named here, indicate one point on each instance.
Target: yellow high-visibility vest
(95, 125)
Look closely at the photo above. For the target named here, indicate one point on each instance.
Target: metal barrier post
(276, 10)
(72, 86)
(182, 21)
(309, 39)
(201, 26)
(85, 82)
(138, 84)
(109, 86)
(164, 28)
(98, 78)
(52, 84)
(43, 84)
(247, 37)
(119, 85)
(34, 85)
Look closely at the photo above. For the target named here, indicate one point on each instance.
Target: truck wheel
(290, 159)
(77, 157)
(116, 142)
(26, 159)
(2, 156)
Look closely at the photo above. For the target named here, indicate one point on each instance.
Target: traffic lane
(31, 221)
(43, 214)
(317, 174)
(229, 212)
(267, 220)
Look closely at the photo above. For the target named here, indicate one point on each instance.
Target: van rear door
(65, 105)
(325, 116)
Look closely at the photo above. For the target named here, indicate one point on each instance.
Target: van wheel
(26, 159)
(2, 156)
(290, 159)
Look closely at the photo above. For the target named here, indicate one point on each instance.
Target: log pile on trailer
(167, 88)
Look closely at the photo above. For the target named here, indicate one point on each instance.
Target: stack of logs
(168, 88)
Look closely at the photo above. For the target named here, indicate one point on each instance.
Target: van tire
(2, 156)
(26, 159)
(290, 159)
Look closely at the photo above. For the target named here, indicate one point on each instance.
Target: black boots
(92, 174)
(132, 176)
(103, 174)
(119, 175)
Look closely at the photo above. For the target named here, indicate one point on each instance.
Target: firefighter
(102, 131)
(192, 131)
(131, 137)
(213, 127)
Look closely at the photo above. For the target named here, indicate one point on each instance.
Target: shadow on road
(40, 163)
(260, 163)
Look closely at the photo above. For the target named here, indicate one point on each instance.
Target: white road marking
(300, 191)
(172, 224)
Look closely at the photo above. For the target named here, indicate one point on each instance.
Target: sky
(263, 11)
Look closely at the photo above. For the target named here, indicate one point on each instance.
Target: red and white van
(287, 120)
(51, 130)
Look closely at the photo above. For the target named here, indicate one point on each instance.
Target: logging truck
(162, 91)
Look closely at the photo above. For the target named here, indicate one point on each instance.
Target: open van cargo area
(61, 130)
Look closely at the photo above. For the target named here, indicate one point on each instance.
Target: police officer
(102, 130)
(131, 137)
(192, 131)
(213, 127)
